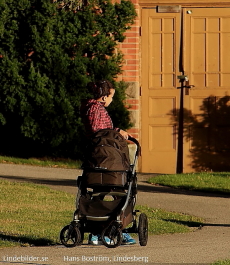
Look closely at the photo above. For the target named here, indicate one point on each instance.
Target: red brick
(133, 62)
(130, 56)
(132, 40)
(132, 51)
(132, 107)
(132, 34)
(132, 101)
(130, 79)
(130, 67)
(129, 45)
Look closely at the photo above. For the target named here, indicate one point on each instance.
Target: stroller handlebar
(134, 140)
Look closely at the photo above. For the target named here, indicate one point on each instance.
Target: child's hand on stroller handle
(124, 134)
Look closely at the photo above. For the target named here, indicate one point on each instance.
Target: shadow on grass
(23, 240)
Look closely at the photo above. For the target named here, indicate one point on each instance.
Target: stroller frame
(110, 225)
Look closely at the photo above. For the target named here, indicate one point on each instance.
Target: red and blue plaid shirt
(95, 117)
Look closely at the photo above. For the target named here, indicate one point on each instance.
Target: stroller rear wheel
(70, 236)
(111, 236)
(143, 229)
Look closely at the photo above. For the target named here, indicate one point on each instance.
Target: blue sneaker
(127, 240)
(96, 240)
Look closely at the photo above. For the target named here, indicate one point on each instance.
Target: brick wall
(131, 72)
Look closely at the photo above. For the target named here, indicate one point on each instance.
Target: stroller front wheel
(112, 236)
(70, 236)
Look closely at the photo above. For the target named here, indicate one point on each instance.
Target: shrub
(48, 53)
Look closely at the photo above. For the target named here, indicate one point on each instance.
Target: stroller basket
(99, 208)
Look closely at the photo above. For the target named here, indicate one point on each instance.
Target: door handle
(187, 87)
(185, 83)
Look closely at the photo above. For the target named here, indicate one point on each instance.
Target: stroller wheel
(82, 235)
(70, 236)
(143, 229)
(111, 236)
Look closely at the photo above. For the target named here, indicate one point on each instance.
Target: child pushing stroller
(95, 117)
(107, 173)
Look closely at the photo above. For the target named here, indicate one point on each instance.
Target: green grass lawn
(32, 214)
(224, 262)
(44, 162)
(218, 182)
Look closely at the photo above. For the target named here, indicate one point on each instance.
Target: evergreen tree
(49, 50)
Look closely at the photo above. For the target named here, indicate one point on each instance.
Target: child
(95, 117)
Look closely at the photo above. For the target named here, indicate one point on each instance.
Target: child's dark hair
(99, 88)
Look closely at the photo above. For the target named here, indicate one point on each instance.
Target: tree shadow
(179, 191)
(186, 223)
(27, 240)
(54, 182)
(194, 224)
(143, 186)
(207, 129)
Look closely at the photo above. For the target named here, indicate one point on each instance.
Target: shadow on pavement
(195, 224)
(55, 182)
(146, 187)
(143, 186)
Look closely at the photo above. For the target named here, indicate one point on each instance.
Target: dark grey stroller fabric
(106, 159)
(100, 207)
(105, 178)
(107, 150)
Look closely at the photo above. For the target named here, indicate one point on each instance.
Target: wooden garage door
(185, 129)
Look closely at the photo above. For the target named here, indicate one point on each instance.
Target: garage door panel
(162, 138)
(185, 126)
(161, 106)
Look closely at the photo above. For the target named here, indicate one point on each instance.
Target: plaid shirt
(95, 117)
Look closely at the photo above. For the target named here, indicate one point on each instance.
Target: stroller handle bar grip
(134, 140)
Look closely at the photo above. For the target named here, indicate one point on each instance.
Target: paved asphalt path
(202, 246)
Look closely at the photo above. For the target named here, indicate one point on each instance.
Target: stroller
(107, 193)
